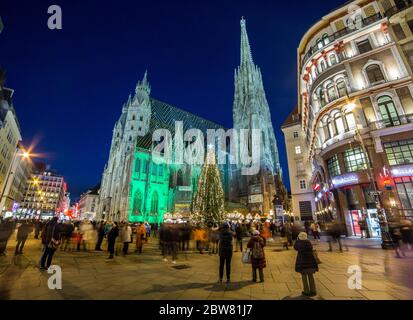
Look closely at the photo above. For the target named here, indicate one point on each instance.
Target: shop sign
(402, 171)
(257, 198)
(345, 180)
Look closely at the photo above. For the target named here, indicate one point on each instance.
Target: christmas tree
(208, 202)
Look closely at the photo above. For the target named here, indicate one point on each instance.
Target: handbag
(317, 259)
(246, 257)
(54, 244)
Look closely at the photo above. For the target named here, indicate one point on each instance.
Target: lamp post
(13, 167)
(381, 212)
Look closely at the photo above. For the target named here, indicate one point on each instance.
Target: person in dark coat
(239, 236)
(225, 252)
(50, 240)
(112, 235)
(258, 261)
(306, 264)
(101, 235)
(38, 225)
(22, 233)
(6, 230)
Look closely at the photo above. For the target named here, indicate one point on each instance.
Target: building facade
(356, 106)
(10, 136)
(88, 204)
(300, 167)
(45, 194)
(251, 111)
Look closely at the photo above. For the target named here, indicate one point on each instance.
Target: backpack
(257, 251)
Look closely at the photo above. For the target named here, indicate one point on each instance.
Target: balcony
(339, 34)
(401, 6)
(391, 122)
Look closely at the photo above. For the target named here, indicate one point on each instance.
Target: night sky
(70, 84)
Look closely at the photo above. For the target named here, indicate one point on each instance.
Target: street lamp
(381, 212)
(13, 167)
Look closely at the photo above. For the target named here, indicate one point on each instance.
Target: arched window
(319, 43)
(331, 92)
(341, 88)
(322, 65)
(351, 121)
(333, 59)
(180, 178)
(388, 111)
(326, 39)
(374, 74)
(130, 138)
(154, 203)
(338, 122)
(138, 165)
(133, 117)
(137, 203)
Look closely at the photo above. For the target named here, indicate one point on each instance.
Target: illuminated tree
(208, 203)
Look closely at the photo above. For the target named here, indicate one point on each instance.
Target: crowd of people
(120, 238)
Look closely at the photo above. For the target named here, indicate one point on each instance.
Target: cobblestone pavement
(89, 275)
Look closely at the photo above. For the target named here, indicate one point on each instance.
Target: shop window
(333, 166)
(364, 46)
(355, 160)
(388, 111)
(405, 190)
(399, 152)
(374, 74)
(370, 202)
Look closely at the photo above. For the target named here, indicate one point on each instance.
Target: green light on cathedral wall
(149, 189)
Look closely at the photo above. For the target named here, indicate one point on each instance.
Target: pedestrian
(316, 230)
(306, 264)
(6, 230)
(258, 262)
(225, 252)
(200, 237)
(38, 225)
(140, 237)
(126, 237)
(307, 225)
(112, 235)
(396, 237)
(101, 235)
(68, 229)
(51, 241)
(239, 236)
(22, 234)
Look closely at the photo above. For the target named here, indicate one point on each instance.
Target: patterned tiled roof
(163, 116)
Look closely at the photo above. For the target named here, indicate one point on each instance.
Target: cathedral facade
(136, 187)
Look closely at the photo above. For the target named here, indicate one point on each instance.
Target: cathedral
(137, 187)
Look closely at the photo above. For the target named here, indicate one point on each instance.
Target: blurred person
(126, 237)
(334, 231)
(100, 235)
(51, 241)
(238, 235)
(213, 237)
(286, 231)
(23, 232)
(112, 235)
(86, 229)
(38, 225)
(396, 237)
(258, 262)
(154, 229)
(307, 228)
(306, 264)
(6, 230)
(66, 235)
(140, 237)
(200, 237)
(225, 252)
(148, 231)
(406, 229)
(316, 230)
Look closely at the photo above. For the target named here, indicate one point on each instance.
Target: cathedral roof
(163, 116)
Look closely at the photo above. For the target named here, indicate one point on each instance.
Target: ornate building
(136, 187)
(251, 111)
(356, 106)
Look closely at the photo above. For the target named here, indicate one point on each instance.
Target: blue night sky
(70, 84)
